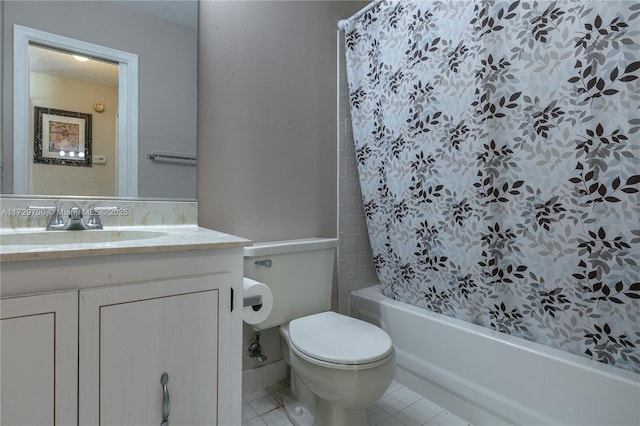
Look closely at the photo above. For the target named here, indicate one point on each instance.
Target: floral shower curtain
(498, 148)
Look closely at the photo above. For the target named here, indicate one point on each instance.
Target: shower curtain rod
(343, 22)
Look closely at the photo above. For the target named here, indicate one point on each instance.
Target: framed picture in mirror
(61, 137)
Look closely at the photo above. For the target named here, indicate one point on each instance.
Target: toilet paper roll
(255, 315)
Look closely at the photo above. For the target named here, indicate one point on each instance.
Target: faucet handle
(56, 221)
(94, 221)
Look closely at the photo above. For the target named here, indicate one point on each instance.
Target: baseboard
(262, 377)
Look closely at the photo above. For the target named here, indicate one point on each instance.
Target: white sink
(75, 237)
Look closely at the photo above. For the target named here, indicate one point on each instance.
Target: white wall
(267, 122)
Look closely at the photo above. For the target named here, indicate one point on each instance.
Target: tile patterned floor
(399, 406)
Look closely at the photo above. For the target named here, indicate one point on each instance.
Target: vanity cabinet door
(39, 359)
(130, 335)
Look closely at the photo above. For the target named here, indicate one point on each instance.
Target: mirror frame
(127, 169)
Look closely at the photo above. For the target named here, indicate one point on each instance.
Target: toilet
(338, 365)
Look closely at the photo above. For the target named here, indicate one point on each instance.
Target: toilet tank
(299, 274)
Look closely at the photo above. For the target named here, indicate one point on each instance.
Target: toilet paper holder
(254, 301)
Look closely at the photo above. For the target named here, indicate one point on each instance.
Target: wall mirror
(99, 156)
(142, 138)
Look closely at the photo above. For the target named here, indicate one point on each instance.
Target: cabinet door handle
(164, 380)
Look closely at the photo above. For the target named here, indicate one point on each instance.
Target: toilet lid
(339, 339)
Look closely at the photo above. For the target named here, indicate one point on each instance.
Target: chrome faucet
(74, 219)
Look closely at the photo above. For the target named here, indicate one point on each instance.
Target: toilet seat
(338, 341)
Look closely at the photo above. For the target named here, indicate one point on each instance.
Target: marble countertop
(133, 239)
(130, 226)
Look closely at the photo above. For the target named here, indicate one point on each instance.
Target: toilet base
(299, 402)
(297, 413)
(325, 414)
(303, 408)
(332, 415)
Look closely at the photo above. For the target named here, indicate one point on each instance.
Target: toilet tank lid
(289, 246)
(336, 338)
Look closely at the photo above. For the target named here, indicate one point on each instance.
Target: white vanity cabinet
(102, 330)
(39, 359)
(131, 335)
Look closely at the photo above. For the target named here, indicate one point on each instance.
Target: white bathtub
(490, 378)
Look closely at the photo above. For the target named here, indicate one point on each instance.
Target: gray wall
(267, 122)
(267, 117)
(167, 73)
